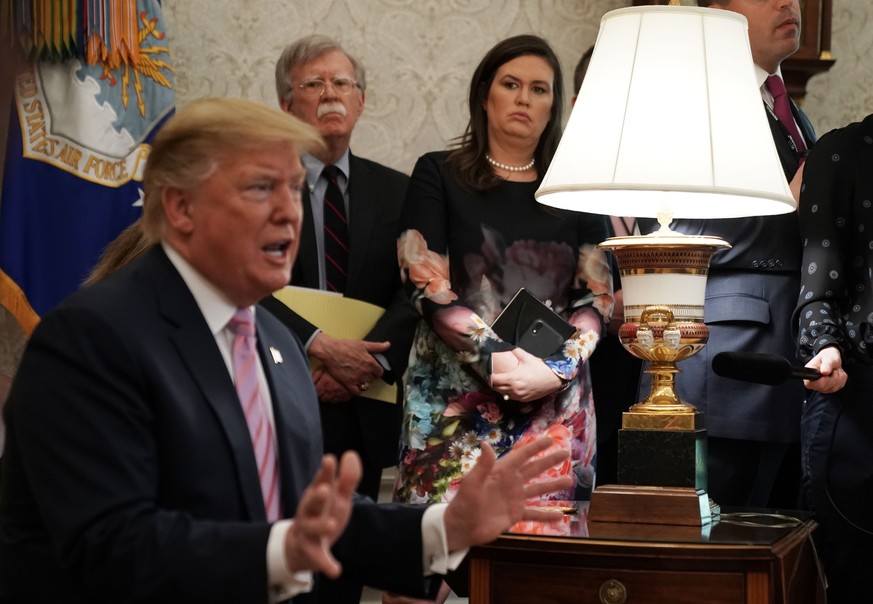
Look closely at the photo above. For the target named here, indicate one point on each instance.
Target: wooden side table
(615, 563)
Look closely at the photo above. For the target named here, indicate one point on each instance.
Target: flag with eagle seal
(77, 144)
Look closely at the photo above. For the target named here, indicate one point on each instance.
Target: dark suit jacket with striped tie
(376, 195)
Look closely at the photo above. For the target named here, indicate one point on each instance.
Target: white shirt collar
(216, 308)
(762, 75)
(314, 166)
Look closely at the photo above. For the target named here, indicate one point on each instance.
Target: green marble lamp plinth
(662, 480)
(664, 458)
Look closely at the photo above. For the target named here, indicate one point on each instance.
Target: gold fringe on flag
(103, 32)
(14, 300)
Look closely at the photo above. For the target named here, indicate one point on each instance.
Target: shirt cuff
(437, 559)
(282, 583)
(308, 342)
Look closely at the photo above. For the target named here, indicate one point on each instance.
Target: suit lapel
(803, 123)
(787, 154)
(364, 209)
(305, 271)
(788, 157)
(200, 355)
(290, 389)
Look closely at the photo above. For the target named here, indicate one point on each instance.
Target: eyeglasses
(316, 86)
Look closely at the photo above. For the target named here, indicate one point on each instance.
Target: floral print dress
(463, 255)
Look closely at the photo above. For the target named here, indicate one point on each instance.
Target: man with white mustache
(332, 107)
(318, 82)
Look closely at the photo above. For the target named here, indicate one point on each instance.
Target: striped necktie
(244, 357)
(336, 233)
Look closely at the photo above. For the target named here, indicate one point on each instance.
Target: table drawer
(538, 584)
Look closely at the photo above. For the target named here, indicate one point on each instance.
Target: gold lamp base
(662, 444)
(664, 284)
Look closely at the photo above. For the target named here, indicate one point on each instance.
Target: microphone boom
(759, 368)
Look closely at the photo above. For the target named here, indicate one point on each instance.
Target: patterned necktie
(245, 375)
(336, 233)
(782, 109)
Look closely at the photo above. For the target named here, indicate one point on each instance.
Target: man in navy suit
(321, 84)
(751, 290)
(130, 472)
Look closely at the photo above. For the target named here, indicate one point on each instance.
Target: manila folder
(339, 317)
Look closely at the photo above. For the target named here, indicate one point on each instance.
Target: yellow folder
(339, 317)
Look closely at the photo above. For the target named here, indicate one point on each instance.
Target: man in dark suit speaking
(163, 441)
(349, 246)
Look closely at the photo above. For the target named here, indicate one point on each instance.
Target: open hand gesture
(322, 515)
(491, 498)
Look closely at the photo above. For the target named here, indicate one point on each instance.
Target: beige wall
(420, 54)
(844, 94)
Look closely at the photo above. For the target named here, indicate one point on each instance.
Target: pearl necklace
(497, 164)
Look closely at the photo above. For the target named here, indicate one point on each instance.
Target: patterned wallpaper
(419, 56)
(844, 94)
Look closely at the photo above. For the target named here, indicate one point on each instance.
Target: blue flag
(77, 145)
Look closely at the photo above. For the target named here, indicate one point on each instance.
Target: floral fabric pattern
(463, 256)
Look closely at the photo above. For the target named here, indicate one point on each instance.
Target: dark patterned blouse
(835, 307)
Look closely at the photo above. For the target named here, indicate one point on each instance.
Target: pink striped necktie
(244, 356)
(782, 109)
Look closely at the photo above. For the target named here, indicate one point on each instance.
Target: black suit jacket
(376, 195)
(751, 291)
(129, 474)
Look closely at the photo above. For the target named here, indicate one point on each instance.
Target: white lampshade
(669, 117)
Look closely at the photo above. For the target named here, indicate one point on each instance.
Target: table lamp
(669, 123)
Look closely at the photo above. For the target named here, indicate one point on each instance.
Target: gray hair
(304, 50)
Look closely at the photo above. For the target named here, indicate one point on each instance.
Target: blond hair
(189, 146)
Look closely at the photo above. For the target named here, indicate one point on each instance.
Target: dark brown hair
(121, 251)
(581, 70)
(468, 160)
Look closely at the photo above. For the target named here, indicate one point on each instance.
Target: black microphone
(759, 368)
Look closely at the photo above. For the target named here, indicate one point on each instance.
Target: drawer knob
(613, 592)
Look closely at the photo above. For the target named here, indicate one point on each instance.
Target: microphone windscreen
(755, 367)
